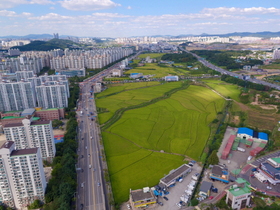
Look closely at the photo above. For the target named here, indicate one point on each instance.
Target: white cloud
(7, 13)
(242, 11)
(12, 3)
(110, 15)
(129, 7)
(88, 5)
(52, 16)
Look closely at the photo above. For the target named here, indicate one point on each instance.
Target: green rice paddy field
(225, 89)
(157, 71)
(127, 98)
(146, 143)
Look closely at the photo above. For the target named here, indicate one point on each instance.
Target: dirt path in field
(160, 151)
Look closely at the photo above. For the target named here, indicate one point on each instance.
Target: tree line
(226, 58)
(244, 83)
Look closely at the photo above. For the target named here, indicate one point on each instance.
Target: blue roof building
(263, 136)
(246, 131)
(171, 78)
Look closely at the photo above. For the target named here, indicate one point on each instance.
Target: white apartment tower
(32, 134)
(16, 96)
(276, 54)
(22, 178)
(52, 96)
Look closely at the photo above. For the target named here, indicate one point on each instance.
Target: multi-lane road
(223, 71)
(92, 190)
(91, 193)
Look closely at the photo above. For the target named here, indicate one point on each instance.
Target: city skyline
(123, 18)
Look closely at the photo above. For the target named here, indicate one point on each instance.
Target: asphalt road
(223, 71)
(91, 191)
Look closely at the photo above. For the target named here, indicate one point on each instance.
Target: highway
(223, 71)
(91, 190)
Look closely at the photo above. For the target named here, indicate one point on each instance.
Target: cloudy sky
(123, 18)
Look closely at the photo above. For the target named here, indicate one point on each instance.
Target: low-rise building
(205, 188)
(219, 173)
(142, 198)
(239, 195)
(180, 172)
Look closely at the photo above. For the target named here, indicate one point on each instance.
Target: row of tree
(244, 83)
(228, 58)
(180, 58)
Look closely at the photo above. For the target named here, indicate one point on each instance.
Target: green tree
(213, 158)
(194, 202)
(35, 205)
(56, 123)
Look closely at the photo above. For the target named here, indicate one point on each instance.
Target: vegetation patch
(149, 141)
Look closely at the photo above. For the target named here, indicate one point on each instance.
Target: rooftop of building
(276, 159)
(24, 152)
(140, 195)
(50, 109)
(237, 191)
(43, 122)
(10, 117)
(243, 130)
(270, 168)
(29, 111)
(175, 173)
(6, 144)
(205, 186)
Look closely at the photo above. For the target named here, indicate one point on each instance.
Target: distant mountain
(264, 34)
(29, 36)
(48, 45)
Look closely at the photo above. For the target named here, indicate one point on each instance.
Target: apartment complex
(92, 59)
(52, 96)
(50, 91)
(32, 134)
(22, 178)
(16, 96)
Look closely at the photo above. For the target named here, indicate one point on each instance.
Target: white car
(268, 187)
(128, 206)
(179, 205)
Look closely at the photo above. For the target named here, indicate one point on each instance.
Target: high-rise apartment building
(32, 134)
(276, 54)
(16, 96)
(23, 75)
(22, 178)
(52, 96)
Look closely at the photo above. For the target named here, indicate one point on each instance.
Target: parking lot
(174, 193)
(178, 190)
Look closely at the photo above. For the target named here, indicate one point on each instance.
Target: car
(81, 206)
(89, 166)
(179, 205)
(128, 206)
(268, 187)
(160, 203)
(88, 155)
(82, 156)
(98, 184)
(211, 197)
(165, 198)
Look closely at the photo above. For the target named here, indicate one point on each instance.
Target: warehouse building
(180, 172)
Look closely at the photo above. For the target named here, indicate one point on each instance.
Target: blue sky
(124, 18)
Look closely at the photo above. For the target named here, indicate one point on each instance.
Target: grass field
(146, 143)
(271, 66)
(225, 89)
(114, 88)
(151, 55)
(158, 71)
(132, 97)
